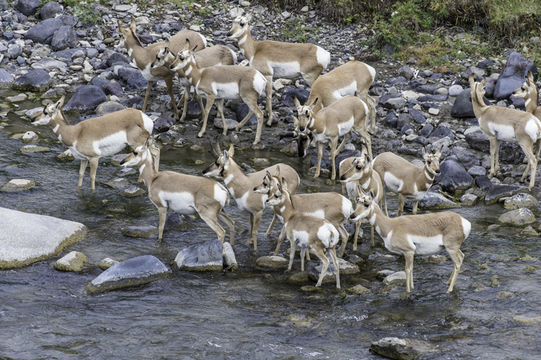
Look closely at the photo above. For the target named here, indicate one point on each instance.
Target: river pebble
(72, 261)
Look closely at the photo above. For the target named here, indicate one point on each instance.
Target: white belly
(301, 238)
(226, 90)
(426, 245)
(345, 127)
(111, 144)
(285, 69)
(392, 182)
(180, 202)
(346, 90)
(502, 132)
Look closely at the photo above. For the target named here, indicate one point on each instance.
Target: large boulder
(50, 10)
(27, 7)
(453, 177)
(346, 268)
(162, 124)
(401, 349)
(497, 192)
(43, 31)
(132, 272)
(463, 107)
(521, 200)
(37, 80)
(207, 256)
(86, 98)
(513, 75)
(133, 78)
(26, 238)
(518, 217)
(435, 201)
(291, 92)
(63, 38)
(6, 79)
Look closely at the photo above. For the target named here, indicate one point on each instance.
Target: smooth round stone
(17, 98)
(106, 263)
(30, 137)
(521, 200)
(66, 156)
(358, 290)
(139, 231)
(132, 191)
(18, 185)
(73, 261)
(34, 149)
(398, 278)
(272, 262)
(455, 90)
(518, 217)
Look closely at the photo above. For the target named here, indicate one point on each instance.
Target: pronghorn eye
(242, 23)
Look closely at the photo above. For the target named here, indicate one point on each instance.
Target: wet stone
(34, 113)
(230, 124)
(37, 80)
(500, 191)
(518, 217)
(139, 231)
(132, 272)
(299, 277)
(358, 290)
(207, 256)
(73, 261)
(401, 349)
(528, 319)
(117, 183)
(132, 191)
(346, 268)
(469, 199)
(107, 262)
(272, 262)
(66, 156)
(529, 231)
(398, 278)
(18, 185)
(17, 98)
(435, 201)
(521, 200)
(30, 137)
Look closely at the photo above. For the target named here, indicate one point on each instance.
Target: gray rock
(398, 278)
(272, 262)
(43, 31)
(86, 98)
(521, 200)
(463, 107)
(18, 185)
(34, 149)
(73, 261)
(499, 191)
(139, 231)
(207, 256)
(513, 75)
(27, 238)
(6, 79)
(37, 80)
(132, 272)
(455, 90)
(518, 217)
(477, 170)
(442, 131)
(453, 177)
(14, 50)
(63, 38)
(133, 78)
(229, 123)
(27, 7)
(30, 137)
(469, 199)
(109, 107)
(291, 92)
(358, 290)
(107, 262)
(392, 102)
(401, 349)
(417, 116)
(434, 201)
(406, 72)
(50, 64)
(466, 157)
(162, 124)
(50, 10)
(118, 183)
(132, 191)
(346, 268)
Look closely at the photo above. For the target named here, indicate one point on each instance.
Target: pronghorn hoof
(200, 135)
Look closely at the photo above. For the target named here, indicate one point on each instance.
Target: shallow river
(494, 313)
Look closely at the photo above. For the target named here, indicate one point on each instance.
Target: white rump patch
(532, 128)
(502, 132)
(345, 127)
(328, 235)
(111, 144)
(76, 154)
(392, 182)
(226, 90)
(147, 123)
(301, 237)
(426, 245)
(259, 82)
(347, 207)
(180, 202)
(372, 72)
(323, 57)
(347, 90)
(203, 39)
(242, 202)
(220, 194)
(466, 227)
(285, 69)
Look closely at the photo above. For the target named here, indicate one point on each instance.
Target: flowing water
(494, 313)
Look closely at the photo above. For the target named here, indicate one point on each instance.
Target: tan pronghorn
(279, 59)
(96, 137)
(529, 92)
(328, 124)
(307, 231)
(404, 178)
(354, 77)
(210, 56)
(223, 82)
(241, 186)
(357, 172)
(500, 123)
(142, 57)
(330, 206)
(184, 194)
(425, 234)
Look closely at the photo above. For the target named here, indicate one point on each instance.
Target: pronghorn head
(528, 88)
(183, 58)
(477, 89)
(141, 154)
(164, 57)
(49, 112)
(239, 27)
(218, 167)
(365, 205)
(278, 195)
(269, 182)
(305, 113)
(358, 166)
(126, 33)
(432, 161)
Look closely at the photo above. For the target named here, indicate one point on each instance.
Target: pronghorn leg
(303, 254)
(251, 101)
(211, 219)
(457, 256)
(334, 142)
(319, 155)
(343, 143)
(181, 99)
(169, 83)
(245, 120)
(268, 93)
(356, 236)
(324, 264)
(255, 226)
(147, 93)
(408, 256)
(280, 238)
(401, 201)
(230, 223)
(184, 99)
(291, 251)
(494, 148)
(415, 206)
(220, 106)
(343, 233)
(336, 266)
(82, 168)
(206, 110)
(368, 140)
(385, 201)
(372, 242)
(267, 233)
(532, 163)
(93, 168)
(162, 213)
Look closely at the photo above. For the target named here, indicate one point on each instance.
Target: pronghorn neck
(530, 100)
(379, 220)
(286, 209)
(478, 103)
(147, 171)
(65, 132)
(193, 72)
(136, 51)
(428, 175)
(247, 44)
(316, 124)
(235, 179)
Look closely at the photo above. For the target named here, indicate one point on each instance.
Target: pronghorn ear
(60, 103)
(120, 27)
(186, 45)
(313, 105)
(277, 172)
(295, 119)
(425, 155)
(231, 150)
(226, 155)
(284, 183)
(530, 76)
(296, 102)
(267, 174)
(471, 80)
(483, 83)
(438, 153)
(132, 24)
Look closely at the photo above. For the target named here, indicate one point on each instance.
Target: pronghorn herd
(338, 105)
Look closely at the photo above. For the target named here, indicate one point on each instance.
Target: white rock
(195, 27)
(398, 277)
(30, 137)
(18, 185)
(433, 111)
(73, 261)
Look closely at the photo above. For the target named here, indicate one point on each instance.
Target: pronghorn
(402, 177)
(142, 57)
(358, 171)
(500, 123)
(184, 194)
(354, 77)
(279, 59)
(223, 82)
(308, 231)
(330, 206)
(96, 137)
(210, 56)
(241, 186)
(417, 234)
(328, 124)
(528, 91)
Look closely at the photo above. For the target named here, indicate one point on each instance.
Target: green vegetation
(295, 30)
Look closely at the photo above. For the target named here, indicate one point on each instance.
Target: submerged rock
(26, 238)
(18, 185)
(401, 349)
(73, 261)
(139, 231)
(207, 256)
(272, 262)
(346, 268)
(132, 272)
(358, 290)
(398, 278)
(518, 217)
